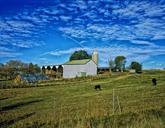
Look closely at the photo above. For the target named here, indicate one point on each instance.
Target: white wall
(91, 68)
(71, 71)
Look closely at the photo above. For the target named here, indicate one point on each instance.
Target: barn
(78, 68)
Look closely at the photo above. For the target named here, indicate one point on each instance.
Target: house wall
(71, 71)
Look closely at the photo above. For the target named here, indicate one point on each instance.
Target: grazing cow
(154, 81)
(98, 87)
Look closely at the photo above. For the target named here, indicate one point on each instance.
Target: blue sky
(48, 31)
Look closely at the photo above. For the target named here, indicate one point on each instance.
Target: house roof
(77, 62)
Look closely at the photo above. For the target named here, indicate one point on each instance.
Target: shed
(78, 68)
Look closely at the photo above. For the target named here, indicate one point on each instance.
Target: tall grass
(75, 104)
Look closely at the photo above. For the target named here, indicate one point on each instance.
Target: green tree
(79, 55)
(31, 68)
(111, 65)
(1, 71)
(34, 68)
(1, 65)
(120, 63)
(37, 69)
(12, 68)
(136, 65)
(15, 64)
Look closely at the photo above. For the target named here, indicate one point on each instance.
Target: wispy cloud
(128, 22)
(109, 20)
(142, 42)
(65, 18)
(102, 22)
(7, 54)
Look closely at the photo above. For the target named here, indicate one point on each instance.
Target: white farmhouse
(78, 68)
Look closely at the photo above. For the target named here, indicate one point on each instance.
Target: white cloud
(65, 18)
(81, 4)
(146, 29)
(2, 48)
(5, 54)
(142, 42)
(139, 15)
(19, 24)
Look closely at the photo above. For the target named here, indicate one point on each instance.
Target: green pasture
(125, 101)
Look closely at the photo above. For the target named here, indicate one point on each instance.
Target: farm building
(78, 68)
(55, 71)
(102, 70)
(132, 71)
(29, 78)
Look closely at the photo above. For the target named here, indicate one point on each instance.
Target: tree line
(12, 68)
(118, 64)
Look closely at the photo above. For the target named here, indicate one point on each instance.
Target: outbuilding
(79, 68)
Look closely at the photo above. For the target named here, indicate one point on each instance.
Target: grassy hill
(76, 104)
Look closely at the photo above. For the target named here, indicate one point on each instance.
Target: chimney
(95, 57)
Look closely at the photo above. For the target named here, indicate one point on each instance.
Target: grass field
(76, 104)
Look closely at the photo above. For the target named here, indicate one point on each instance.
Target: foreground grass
(75, 103)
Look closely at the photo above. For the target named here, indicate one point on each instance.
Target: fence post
(113, 101)
(118, 104)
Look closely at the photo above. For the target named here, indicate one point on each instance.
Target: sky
(47, 32)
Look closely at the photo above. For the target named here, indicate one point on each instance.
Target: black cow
(154, 81)
(98, 87)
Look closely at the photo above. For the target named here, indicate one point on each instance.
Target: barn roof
(77, 62)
